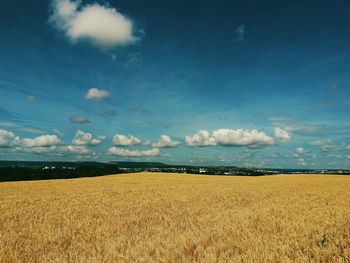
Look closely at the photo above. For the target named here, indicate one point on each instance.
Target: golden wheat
(151, 217)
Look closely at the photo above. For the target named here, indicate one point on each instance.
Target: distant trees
(38, 173)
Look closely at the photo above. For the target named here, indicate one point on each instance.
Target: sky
(248, 83)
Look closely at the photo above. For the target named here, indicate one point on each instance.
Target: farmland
(157, 217)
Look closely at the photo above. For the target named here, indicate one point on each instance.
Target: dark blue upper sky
(249, 83)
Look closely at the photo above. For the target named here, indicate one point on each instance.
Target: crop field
(154, 217)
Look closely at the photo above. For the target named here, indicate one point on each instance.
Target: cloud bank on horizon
(138, 80)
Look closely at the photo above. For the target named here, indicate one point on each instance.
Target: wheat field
(154, 217)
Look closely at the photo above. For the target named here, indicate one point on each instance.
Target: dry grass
(176, 218)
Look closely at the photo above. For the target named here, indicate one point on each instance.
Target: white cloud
(300, 150)
(133, 153)
(103, 26)
(76, 149)
(240, 137)
(282, 135)
(79, 120)
(230, 137)
(165, 142)
(85, 139)
(41, 141)
(125, 141)
(202, 138)
(96, 94)
(45, 144)
(8, 139)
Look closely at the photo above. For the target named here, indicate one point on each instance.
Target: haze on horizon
(245, 83)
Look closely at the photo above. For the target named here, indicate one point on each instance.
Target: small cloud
(165, 142)
(79, 120)
(282, 135)
(31, 98)
(240, 33)
(58, 132)
(103, 26)
(111, 112)
(86, 139)
(300, 150)
(301, 162)
(125, 141)
(96, 94)
(133, 153)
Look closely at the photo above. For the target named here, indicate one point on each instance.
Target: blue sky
(246, 83)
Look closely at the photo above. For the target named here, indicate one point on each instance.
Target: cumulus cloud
(45, 144)
(41, 141)
(165, 142)
(79, 120)
(282, 135)
(8, 139)
(85, 139)
(133, 153)
(76, 149)
(241, 137)
(102, 25)
(125, 141)
(201, 139)
(230, 137)
(96, 94)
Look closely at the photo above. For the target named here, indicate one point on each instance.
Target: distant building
(203, 170)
